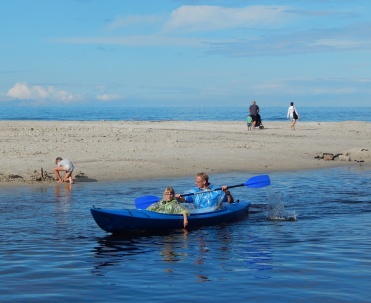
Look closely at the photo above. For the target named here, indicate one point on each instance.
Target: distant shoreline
(133, 150)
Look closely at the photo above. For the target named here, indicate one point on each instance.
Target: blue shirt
(207, 199)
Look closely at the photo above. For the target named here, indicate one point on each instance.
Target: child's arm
(185, 220)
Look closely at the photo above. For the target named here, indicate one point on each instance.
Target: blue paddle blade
(144, 202)
(258, 181)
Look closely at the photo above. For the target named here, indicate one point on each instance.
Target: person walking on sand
(66, 166)
(254, 111)
(292, 113)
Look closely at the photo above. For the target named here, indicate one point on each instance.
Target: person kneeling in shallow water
(170, 205)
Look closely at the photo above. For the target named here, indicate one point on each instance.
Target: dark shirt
(254, 109)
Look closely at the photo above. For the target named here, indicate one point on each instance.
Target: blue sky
(185, 53)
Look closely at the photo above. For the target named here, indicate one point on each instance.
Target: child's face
(168, 196)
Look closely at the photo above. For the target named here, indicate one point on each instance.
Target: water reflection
(63, 193)
(259, 258)
(112, 250)
(171, 245)
(208, 254)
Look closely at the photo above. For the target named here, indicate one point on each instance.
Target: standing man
(254, 111)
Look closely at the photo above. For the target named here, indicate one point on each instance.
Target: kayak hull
(127, 220)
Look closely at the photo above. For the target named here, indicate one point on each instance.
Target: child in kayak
(169, 205)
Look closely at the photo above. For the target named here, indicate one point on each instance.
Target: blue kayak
(128, 220)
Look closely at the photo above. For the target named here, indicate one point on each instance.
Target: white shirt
(290, 112)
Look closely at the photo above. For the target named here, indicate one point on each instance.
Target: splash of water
(276, 210)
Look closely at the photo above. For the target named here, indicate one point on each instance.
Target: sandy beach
(119, 150)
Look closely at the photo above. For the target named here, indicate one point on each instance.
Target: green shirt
(168, 207)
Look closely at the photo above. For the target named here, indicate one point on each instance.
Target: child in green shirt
(249, 122)
(170, 205)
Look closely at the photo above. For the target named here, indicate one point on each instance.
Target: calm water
(308, 114)
(52, 250)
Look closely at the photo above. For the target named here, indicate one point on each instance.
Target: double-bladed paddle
(253, 182)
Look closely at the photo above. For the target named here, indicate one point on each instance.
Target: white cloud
(23, 91)
(241, 32)
(122, 22)
(137, 40)
(205, 17)
(196, 18)
(108, 97)
(312, 86)
(341, 43)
